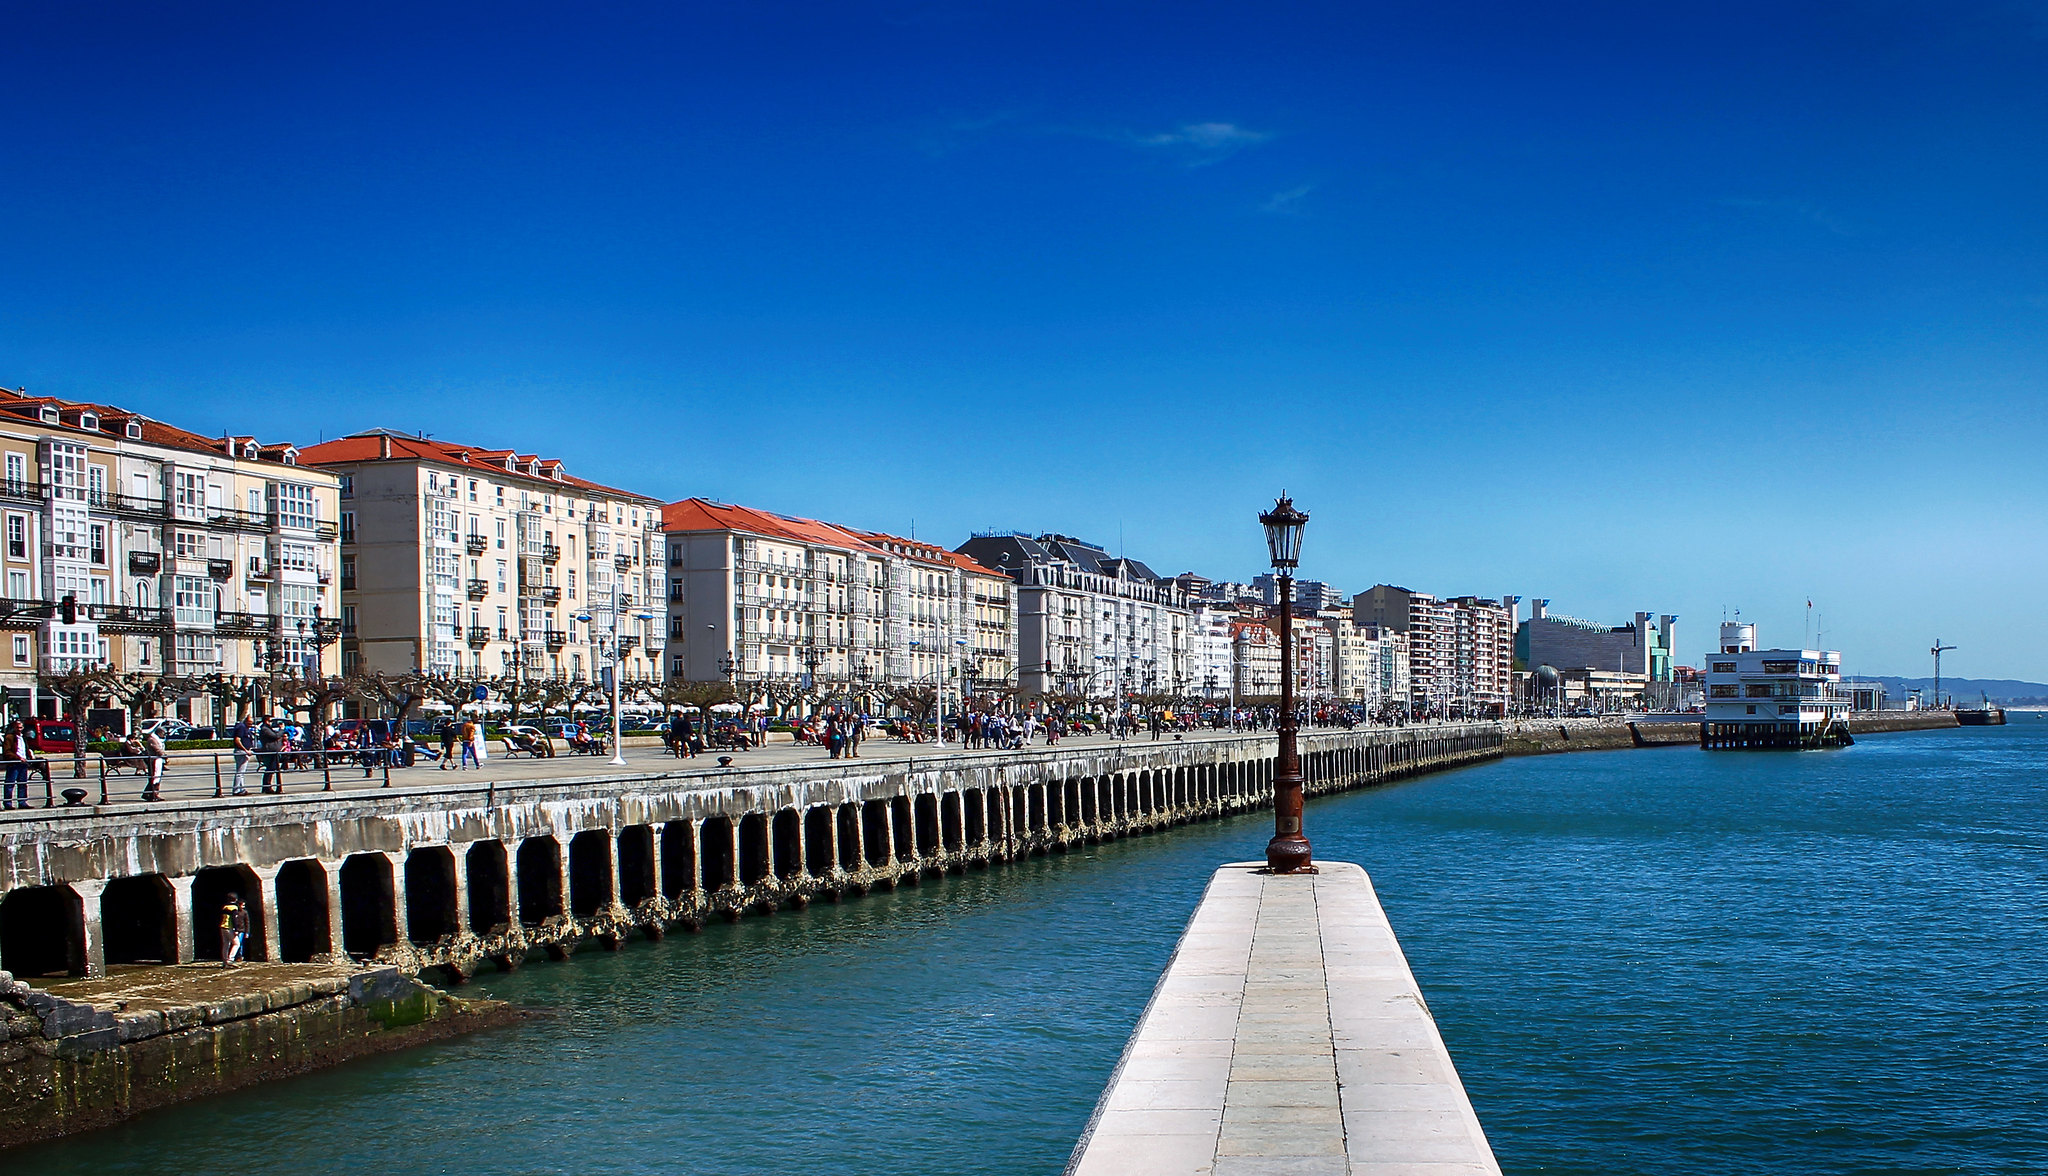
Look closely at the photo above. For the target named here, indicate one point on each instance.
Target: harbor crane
(1937, 651)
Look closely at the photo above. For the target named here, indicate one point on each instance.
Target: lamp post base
(1288, 853)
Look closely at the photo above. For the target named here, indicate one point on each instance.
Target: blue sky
(1626, 306)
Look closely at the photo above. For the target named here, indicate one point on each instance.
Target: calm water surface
(1644, 962)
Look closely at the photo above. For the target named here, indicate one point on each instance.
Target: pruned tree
(702, 695)
(144, 694)
(397, 694)
(78, 690)
(315, 698)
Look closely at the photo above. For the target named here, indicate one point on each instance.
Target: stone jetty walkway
(1287, 1036)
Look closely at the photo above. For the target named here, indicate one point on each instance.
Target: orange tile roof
(369, 447)
(923, 552)
(114, 420)
(700, 514)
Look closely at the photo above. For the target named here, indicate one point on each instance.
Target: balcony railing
(475, 544)
(230, 519)
(549, 553)
(18, 612)
(551, 593)
(556, 638)
(145, 563)
(479, 635)
(244, 622)
(478, 589)
(126, 504)
(22, 491)
(261, 569)
(220, 569)
(129, 616)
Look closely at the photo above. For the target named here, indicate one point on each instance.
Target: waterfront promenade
(1286, 1036)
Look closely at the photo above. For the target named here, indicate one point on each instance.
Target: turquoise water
(1644, 962)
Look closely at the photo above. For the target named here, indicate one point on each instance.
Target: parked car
(53, 736)
(168, 729)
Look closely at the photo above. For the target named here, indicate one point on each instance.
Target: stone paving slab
(1289, 1037)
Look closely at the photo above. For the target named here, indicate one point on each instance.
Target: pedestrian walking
(153, 756)
(244, 735)
(447, 732)
(468, 735)
(234, 930)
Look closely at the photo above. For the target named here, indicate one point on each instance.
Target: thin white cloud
(1287, 203)
(1812, 214)
(1207, 136)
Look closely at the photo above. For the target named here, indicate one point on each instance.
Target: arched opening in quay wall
(850, 847)
(818, 831)
(716, 850)
(430, 894)
(211, 889)
(901, 827)
(789, 842)
(753, 848)
(874, 824)
(369, 906)
(636, 864)
(678, 859)
(139, 921)
(490, 887)
(302, 929)
(927, 807)
(590, 872)
(540, 880)
(42, 932)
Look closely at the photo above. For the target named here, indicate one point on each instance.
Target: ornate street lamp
(1288, 852)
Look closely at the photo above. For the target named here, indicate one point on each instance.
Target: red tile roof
(113, 422)
(923, 552)
(362, 448)
(702, 514)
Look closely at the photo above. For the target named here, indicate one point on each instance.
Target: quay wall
(453, 877)
(1545, 736)
(68, 1066)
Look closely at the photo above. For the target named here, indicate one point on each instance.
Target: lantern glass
(1284, 526)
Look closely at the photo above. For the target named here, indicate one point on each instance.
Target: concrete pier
(1287, 1036)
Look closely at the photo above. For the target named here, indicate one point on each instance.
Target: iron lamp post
(1288, 852)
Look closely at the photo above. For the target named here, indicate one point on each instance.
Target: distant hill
(2004, 691)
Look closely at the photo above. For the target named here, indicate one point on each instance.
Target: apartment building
(139, 546)
(469, 561)
(773, 601)
(1089, 623)
(1460, 650)
(1255, 660)
(934, 582)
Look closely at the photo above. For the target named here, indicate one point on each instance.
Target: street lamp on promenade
(1288, 852)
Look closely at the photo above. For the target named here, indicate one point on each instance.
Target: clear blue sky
(1629, 306)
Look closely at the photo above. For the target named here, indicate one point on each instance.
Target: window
(472, 489)
(297, 601)
(348, 572)
(192, 602)
(348, 526)
(17, 585)
(98, 531)
(189, 544)
(298, 557)
(1724, 667)
(1721, 692)
(21, 647)
(188, 495)
(501, 575)
(295, 505)
(501, 496)
(197, 649)
(348, 620)
(348, 485)
(501, 532)
(17, 536)
(96, 483)
(17, 472)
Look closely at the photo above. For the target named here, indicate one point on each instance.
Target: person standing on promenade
(244, 737)
(467, 735)
(14, 754)
(270, 743)
(234, 930)
(153, 756)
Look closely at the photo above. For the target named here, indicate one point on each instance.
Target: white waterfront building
(1771, 697)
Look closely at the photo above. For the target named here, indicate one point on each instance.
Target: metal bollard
(326, 773)
(217, 793)
(387, 769)
(103, 780)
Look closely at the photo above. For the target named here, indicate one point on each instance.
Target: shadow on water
(1654, 962)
